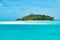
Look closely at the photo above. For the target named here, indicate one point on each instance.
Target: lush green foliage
(36, 17)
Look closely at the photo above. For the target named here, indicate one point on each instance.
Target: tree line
(36, 17)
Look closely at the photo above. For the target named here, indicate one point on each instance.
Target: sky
(13, 9)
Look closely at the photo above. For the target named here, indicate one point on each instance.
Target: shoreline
(30, 22)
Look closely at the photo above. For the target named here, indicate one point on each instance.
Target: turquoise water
(30, 32)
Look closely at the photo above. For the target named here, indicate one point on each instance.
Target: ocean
(30, 31)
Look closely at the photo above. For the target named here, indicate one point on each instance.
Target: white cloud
(1, 4)
(58, 0)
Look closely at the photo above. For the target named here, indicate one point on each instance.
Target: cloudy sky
(12, 9)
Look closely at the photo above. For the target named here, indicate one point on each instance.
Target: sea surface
(30, 31)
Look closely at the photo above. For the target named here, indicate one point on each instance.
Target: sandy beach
(30, 22)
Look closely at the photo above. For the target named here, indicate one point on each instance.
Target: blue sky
(13, 9)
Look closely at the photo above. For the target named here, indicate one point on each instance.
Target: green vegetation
(36, 17)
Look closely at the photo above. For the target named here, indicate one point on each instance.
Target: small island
(36, 17)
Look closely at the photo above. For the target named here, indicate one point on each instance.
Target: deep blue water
(30, 32)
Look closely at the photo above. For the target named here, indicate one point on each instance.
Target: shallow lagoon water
(30, 31)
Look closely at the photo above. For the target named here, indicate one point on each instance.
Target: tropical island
(36, 17)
